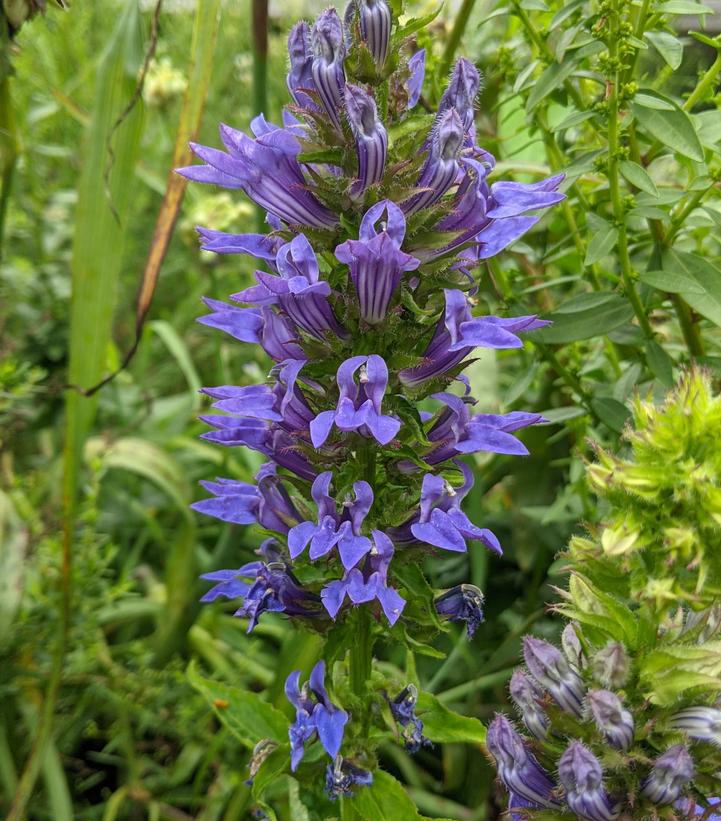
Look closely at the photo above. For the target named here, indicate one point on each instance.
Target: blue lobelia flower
(464, 602)
(366, 584)
(300, 76)
(271, 587)
(519, 770)
(259, 246)
(527, 695)
(375, 27)
(550, 668)
(333, 528)
(670, 773)
(359, 405)
(416, 76)
(375, 259)
(327, 65)
(580, 773)
(611, 718)
(700, 723)
(314, 713)
(370, 136)
(342, 775)
(403, 709)
(461, 92)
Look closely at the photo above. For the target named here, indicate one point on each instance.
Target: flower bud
(551, 670)
(671, 772)
(699, 723)
(525, 694)
(462, 91)
(300, 76)
(370, 136)
(327, 66)
(517, 768)
(610, 665)
(375, 26)
(462, 603)
(571, 646)
(582, 777)
(612, 719)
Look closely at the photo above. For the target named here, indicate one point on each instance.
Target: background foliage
(114, 683)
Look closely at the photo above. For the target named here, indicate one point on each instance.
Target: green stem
(613, 177)
(459, 27)
(361, 654)
(708, 79)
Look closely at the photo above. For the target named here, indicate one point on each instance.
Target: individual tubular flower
(271, 588)
(552, 671)
(442, 523)
(580, 773)
(370, 136)
(375, 259)
(300, 75)
(519, 770)
(461, 92)
(327, 66)
(267, 169)
(416, 76)
(315, 713)
(462, 603)
(671, 772)
(442, 166)
(260, 246)
(366, 584)
(359, 405)
(342, 775)
(612, 719)
(334, 529)
(375, 26)
(526, 695)
(699, 723)
(298, 290)
(267, 502)
(403, 709)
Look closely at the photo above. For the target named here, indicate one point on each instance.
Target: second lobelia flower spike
(376, 231)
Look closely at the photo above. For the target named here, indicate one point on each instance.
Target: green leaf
(610, 411)
(583, 317)
(551, 78)
(386, 798)
(444, 726)
(601, 243)
(638, 176)
(670, 125)
(668, 46)
(245, 714)
(683, 7)
(706, 276)
(660, 363)
(672, 282)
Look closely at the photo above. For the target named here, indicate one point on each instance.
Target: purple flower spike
(403, 709)
(517, 767)
(333, 529)
(442, 523)
(375, 26)
(612, 719)
(441, 168)
(315, 713)
(359, 406)
(553, 672)
(342, 776)
(368, 584)
(267, 169)
(327, 66)
(462, 603)
(582, 777)
(527, 696)
(375, 260)
(462, 91)
(272, 589)
(414, 84)
(699, 723)
(370, 135)
(300, 76)
(671, 772)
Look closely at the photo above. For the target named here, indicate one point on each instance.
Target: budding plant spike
(364, 238)
(628, 713)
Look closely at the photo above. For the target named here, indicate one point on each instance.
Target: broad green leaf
(13, 544)
(611, 412)
(662, 118)
(583, 317)
(638, 176)
(274, 766)
(672, 282)
(245, 714)
(708, 128)
(601, 244)
(707, 277)
(444, 726)
(683, 7)
(386, 798)
(668, 46)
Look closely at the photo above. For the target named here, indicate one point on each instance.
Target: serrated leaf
(245, 714)
(705, 275)
(638, 176)
(668, 46)
(584, 317)
(670, 125)
(445, 726)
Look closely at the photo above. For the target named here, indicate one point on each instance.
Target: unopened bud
(610, 666)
